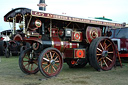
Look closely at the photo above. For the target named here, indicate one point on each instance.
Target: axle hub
(105, 53)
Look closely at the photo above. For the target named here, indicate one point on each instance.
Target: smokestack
(42, 5)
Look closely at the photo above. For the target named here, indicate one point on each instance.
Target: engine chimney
(42, 5)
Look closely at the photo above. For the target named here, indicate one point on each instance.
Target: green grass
(10, 74)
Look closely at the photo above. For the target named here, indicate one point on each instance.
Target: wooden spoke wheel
(50, 62)
(102, 53)
(28, 62)
(76, 63)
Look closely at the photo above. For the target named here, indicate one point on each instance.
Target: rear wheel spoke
(104, 43)
(99, 49)
(109, 45)
(47, 56)
(56, 58)
(105, 63)
(105, 47)
(109, 59)
(110, 52)
(56, 65)
(98, 54)
(46, 59)
(101, 63)
(57, 61)
(101, 46)
(100, 59)
(51, 55)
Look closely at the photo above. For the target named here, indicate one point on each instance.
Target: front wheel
(28, 61)
(102, 53)
(50, 62)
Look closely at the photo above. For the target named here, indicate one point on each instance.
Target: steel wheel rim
(29, 62)
(51, 63)
(105, 54)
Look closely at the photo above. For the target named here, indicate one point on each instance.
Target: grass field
(10, 74)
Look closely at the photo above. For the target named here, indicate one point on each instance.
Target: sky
(112, 9)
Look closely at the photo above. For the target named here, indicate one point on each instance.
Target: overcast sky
(113, 9)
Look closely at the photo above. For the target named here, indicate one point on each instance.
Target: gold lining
(52, 43)
(62, 45)
(77, 50)
(70, 45)
(73, 36)
(77, 45)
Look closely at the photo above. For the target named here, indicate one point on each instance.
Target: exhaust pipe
(42, 5)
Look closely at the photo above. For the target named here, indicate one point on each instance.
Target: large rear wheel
(28, 62)
(50, 62)
(102, 53)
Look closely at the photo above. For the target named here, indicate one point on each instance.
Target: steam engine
(55, 38)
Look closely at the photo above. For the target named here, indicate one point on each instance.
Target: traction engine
(56, 39)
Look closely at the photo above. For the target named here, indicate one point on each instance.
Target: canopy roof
(6, 32)
(25, 11)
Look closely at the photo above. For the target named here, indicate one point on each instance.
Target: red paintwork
(32, 39)
(77, 36)
(61, 32)
(54, 32)
(74, 53)
(13, 43)
(57, 42)
(92, 33)
(33, 26)
(2, 38)
(124, 55)
(18, 37)
(68, 53)
(79, 53)
(73, 62)
(70, 45)
(123, 42)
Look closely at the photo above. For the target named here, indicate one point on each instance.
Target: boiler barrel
(60, 45)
